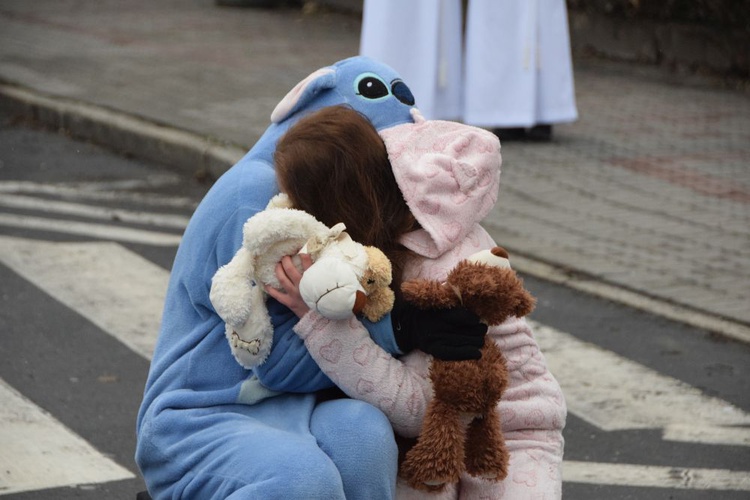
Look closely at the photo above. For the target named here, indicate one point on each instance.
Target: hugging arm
(363, 370)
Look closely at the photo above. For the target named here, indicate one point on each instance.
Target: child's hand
(454, 334)
(289, 277)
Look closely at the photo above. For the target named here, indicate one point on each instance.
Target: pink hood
(449, 174)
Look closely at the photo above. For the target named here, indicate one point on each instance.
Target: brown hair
(334, 165)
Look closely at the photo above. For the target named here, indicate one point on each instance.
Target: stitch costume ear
(232, 291)
(304, 92)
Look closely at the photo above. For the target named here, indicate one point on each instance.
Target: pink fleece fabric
(449, 174)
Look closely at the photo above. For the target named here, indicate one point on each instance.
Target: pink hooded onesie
(449, 175)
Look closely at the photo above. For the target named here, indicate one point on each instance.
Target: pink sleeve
(346, 353)
(533, 414)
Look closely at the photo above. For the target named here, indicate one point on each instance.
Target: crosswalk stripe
(615, 393)
(651, 476)
(93, 211)
(39, 452)
(102, 231)
(695, 433)
(96, 191)
(685, 315)
(114, 288)
(601, 387)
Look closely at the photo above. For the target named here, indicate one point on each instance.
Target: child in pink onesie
(448, 174)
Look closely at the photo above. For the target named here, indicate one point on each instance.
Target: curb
(180, 150)
(192, 154)
(592, 285)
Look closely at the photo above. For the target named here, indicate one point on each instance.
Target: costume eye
(402, 92)
(370, 86)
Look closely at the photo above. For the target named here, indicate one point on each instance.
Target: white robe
(516, 69)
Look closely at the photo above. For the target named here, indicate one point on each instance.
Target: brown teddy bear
(461, 429)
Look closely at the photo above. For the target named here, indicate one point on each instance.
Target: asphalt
(645, 199)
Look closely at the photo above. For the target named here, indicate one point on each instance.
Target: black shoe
(260, 4)
(539, 133)
(510, 134)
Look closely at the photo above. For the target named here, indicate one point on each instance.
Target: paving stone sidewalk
(649, 190)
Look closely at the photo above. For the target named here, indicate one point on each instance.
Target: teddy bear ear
(304, 92)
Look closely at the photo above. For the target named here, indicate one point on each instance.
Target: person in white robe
(509, 68)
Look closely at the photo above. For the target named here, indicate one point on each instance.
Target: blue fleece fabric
(208, 428)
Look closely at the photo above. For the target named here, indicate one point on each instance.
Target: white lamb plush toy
(344, 275)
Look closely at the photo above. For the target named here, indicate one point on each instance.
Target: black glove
(449, 334)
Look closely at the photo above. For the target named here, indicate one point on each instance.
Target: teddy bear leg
(486, 454)
(438, 456)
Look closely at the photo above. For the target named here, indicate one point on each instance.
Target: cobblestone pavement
(649, 190)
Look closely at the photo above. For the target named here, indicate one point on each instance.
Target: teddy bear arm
(525, 303)
(429, 294)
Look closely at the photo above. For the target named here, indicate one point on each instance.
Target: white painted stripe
(86, 191)
(202, 151)
(93, 211)
(731, 436)
(92, 230)
(114, 288)
(146, 182)
(727, 328)
(651, 476)
(615, 393)
(38, 452)
(127, 305)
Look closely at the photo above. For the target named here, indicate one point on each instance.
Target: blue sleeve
(382, 333)
(289, 367)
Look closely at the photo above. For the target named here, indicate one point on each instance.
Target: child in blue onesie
(208, 428)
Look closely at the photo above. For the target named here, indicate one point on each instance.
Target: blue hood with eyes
(368, 86)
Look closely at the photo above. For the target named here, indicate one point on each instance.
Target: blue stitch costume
(208, 428)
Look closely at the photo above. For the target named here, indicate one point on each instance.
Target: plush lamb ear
(324, 239)
(232, 289)
(304, 92)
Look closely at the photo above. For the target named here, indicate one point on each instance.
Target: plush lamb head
(335, 285)
(336, 288)
(461, 429)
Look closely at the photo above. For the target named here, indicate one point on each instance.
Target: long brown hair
(334, 165)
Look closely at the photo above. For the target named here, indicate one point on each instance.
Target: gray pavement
(645, 199)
